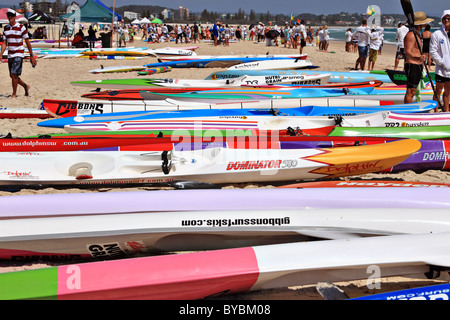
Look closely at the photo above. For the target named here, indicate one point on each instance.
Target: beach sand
(51, 80)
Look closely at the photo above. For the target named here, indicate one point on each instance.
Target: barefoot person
(440, 52)
(13, 36)
(414, 57)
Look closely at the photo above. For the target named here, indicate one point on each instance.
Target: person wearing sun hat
(13, 36)
(440, 52)
(414, 57)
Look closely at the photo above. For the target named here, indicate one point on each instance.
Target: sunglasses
(445, 19)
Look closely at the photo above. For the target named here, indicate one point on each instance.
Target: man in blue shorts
(362, 33)
(13, 36)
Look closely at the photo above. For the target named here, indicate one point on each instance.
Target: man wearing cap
(13, 36)
(440, 52)
(414, 57)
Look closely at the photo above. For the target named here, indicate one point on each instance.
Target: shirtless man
(414, 58)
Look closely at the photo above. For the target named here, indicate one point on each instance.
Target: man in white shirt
(440, 52)
(362, 33)
(376, 36)
(302, 30)
(400, 34)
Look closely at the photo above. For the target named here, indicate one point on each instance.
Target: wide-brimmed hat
(420, 18)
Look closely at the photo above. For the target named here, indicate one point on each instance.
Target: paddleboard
(212, 165)
(199, 275)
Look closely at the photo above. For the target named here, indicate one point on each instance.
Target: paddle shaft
(409, 13)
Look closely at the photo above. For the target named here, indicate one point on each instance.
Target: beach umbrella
(145, 20)
(272, 34)
(156, 20)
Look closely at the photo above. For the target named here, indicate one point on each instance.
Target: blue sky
(294, 6)
(434, 7)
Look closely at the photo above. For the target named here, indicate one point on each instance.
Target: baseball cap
(11, 12)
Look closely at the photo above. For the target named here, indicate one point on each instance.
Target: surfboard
(212, 165)
(199, 275)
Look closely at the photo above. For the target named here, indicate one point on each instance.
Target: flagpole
(112, 27)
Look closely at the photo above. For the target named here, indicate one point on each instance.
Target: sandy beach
(51, 80)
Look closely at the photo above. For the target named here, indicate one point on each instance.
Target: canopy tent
(39, 17)
(4, 18)
(135, 21)
(93, 11)
(145, 20)
(157, 21)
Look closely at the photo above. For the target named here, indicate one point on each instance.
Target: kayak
(237, 95)
(139, 83)
(20, 113)
(212, 165)
(212, 62)
(111, 235)
(133, 94)
(177, 142)
(367, 184)
(199, 275)
(241, 118)
(274, 64)
(67, 108)
(336, 76)
(420, 133)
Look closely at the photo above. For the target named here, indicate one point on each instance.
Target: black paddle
(409, 13)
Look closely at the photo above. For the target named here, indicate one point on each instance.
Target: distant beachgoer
(303, 35)
(13, 36)
(426, 38)
(348, 40)
(362, 34)
(374, 46)
(440, 52)
(400, 34)
(91, 37)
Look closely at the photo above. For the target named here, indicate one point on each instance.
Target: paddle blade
(408, 11)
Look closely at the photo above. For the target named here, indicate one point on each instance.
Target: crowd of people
(367, 42)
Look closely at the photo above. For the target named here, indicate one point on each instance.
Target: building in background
(167, 14)
(131, 15)
(183, 13)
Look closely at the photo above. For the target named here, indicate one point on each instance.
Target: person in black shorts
(414, 57)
